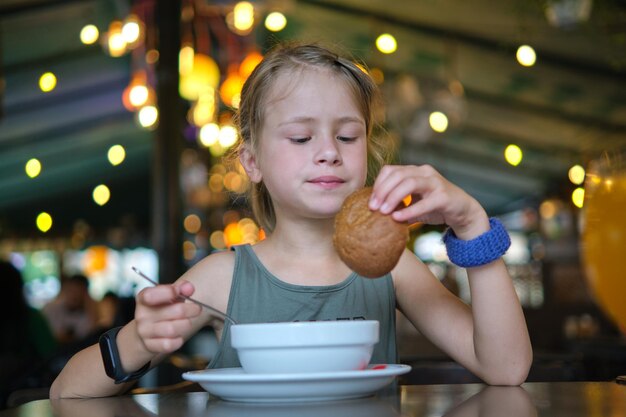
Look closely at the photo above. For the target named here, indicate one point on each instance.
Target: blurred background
(115, 115)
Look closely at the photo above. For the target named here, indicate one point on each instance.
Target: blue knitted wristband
(479, 251)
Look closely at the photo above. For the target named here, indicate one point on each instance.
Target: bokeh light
(438, 121)
(216, 183)
(189, 250)
(101, 194)
(33, 167)
(548, 209)
(196, 75)
(116, 154)
(192, 224)
(44, 221)
(578, 197)
(47, 82)
(378, 75)
(275, 22)
(386, 43)
(526, 56)
(230, 90)
(148, 116)
(209, 134)
(89, 34)
(217, 240)
(227, 136)
(243, 16)
(138, 95)
(576, 174)
(249, 63)
(513, 155)
(233, 235)
(131, 29)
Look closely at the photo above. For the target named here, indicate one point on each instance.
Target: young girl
(305, 121)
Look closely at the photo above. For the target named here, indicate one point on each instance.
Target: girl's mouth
(327, 182)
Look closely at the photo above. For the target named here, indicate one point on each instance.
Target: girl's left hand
(434, 200)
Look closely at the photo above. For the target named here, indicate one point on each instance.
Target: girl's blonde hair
(291, 57)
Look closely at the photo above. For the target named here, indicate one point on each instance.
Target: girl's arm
(162, 324)
(490, 337)
(83, 376)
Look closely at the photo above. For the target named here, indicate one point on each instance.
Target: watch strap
(111, 358)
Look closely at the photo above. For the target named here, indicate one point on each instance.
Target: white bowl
(311, 346)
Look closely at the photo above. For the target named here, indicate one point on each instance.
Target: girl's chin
(324, 216)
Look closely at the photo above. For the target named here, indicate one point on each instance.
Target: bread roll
(369, 242)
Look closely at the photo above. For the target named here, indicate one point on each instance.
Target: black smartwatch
(111, 358)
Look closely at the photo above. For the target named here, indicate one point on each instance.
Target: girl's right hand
(164, 319)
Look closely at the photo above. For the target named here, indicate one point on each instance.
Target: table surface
(553, 399)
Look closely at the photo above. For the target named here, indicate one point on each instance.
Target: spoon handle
(201, 304)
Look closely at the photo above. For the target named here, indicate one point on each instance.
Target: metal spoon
(201, 304)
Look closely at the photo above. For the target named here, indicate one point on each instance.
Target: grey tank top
(258, 296)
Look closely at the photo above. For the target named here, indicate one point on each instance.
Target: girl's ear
(248, 161)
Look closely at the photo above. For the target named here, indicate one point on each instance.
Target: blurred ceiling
(567, 109)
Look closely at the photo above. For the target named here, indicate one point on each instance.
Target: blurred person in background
(108, 308)
(73, 314)
(114, 310)
(26, 342)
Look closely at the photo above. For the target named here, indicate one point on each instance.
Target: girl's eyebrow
(296, 120)
(349, 119)
(305, 119)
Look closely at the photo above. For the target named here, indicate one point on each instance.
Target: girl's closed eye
(299, 140)
(347, 139)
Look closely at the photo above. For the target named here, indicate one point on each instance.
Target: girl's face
(312, 151)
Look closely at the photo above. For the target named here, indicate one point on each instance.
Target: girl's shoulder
(218, 261)
(212, 277)
(218, 266)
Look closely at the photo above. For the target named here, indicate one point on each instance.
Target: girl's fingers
(423, 211)
(386, 182)
(434, 199)
(161, 294)
(170, 329)
(185, 288)
(397, 182)
(163, 336)
(384, 172)
(164, 317)
(418, 188)
(165, 294)
(164, 345)
(175, 311)
(387, 179)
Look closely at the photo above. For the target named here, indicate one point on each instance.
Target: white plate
(233, 384)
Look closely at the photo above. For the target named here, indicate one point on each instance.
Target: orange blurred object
(132, 101)
(204, 74)
(231, 88)
(415, 226)
(233, 235)
(95, 259)
(249, 63)
(604, 236)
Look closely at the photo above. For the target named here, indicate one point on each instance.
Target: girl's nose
(328, 152)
